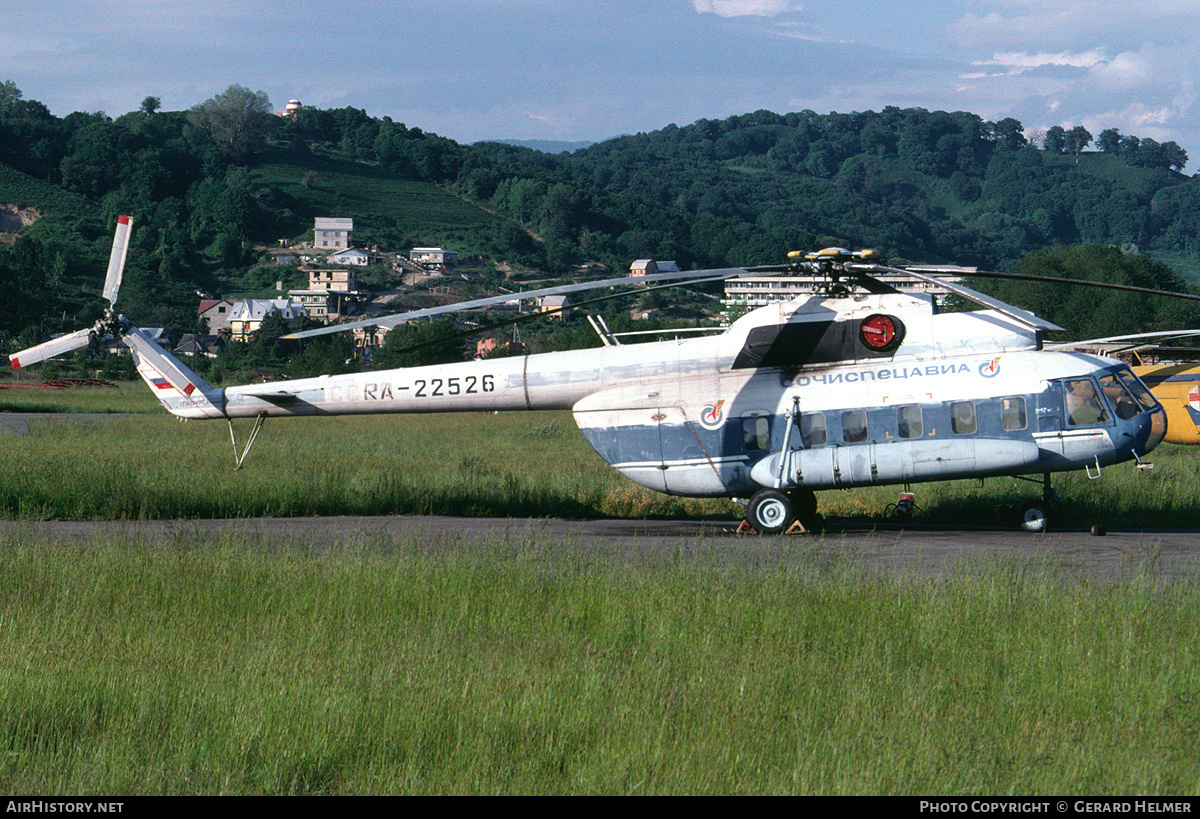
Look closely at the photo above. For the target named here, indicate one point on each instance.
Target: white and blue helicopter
(858, 385)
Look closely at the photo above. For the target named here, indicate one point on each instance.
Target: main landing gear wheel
(769, 512)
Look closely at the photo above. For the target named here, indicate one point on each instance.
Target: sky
(587, 70)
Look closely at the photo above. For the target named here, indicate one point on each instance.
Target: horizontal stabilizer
(274, 396)
(51, 348)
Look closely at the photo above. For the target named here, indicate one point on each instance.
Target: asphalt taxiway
(916, 550)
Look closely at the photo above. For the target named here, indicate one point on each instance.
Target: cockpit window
(1135, 386)
(1119, 398)
(1084, 406)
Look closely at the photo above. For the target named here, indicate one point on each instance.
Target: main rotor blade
(688, 276)
(1136, 339)
(452, 337)
(51, 348)
(1029, 277)
(116, 260)
(1016, 313)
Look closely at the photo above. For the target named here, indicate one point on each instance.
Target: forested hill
(212, 187)
(913, 183)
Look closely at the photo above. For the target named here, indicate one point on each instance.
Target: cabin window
(756, 434)
(854, 426)
(1012, 414)
(908, 420)
(962, 417)
(1083, 403)
(812, 429)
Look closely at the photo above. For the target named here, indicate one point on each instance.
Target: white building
(755, 291)
(351, 256)
(332, 234)
(433, 256)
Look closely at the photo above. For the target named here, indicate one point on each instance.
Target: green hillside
(207, 206)
(387, 209)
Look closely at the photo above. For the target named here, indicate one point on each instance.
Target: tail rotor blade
(116, 261)
(51, 348)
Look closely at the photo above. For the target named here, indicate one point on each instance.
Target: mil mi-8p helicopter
(857, 385)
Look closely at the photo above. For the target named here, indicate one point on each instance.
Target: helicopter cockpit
(1089, 402)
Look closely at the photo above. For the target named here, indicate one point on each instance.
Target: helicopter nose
(1157, 430)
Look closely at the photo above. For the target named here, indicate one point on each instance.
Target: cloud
(745, 8)
(1016, 62)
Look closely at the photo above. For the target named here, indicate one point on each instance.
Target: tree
(237, 120)
(150, 105)
(1129, 146)
(1110, 141)
(1009, 134)
(1056, 140)
(417, 344)
(1174, 156)
(1078, 139)
(9, 95)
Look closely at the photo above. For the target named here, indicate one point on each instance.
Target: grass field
(431, 665)
(26, 396)
(524, 667)
(150, 465)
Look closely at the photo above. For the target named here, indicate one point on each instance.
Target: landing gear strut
(1035, 515)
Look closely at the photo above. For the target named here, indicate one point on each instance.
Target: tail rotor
(110, 324)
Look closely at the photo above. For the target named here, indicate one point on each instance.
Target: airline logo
(990, 369)
(712, 415)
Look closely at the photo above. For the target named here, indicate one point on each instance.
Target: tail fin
(177, 388)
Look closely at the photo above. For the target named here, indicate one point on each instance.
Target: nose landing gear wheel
(1034, 517)
(769, 512)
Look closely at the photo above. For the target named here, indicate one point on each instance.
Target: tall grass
(120, 398)
(510, 464)
(518, 666)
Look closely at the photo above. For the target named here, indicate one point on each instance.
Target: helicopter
(1177, 386)
(857, 385)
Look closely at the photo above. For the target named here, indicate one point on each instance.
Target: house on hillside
(329, 295)
(332, 233)
(215, 313)
(197, 344)
(248, 315)
(648, 267)
(557, 306)
(433, 257)
(350, 256)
